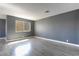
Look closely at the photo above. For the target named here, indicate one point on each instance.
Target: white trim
(71, 44)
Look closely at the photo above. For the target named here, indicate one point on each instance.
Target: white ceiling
(36, 11)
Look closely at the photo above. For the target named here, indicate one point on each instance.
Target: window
(19, 26)
(22, 26)
(27, 27)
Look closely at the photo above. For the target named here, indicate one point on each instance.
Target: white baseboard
(71, 44)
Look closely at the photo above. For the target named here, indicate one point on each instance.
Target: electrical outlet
(66, 40)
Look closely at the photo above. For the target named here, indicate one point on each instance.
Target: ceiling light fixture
(47, 11)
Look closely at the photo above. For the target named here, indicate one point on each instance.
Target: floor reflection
(22, 49)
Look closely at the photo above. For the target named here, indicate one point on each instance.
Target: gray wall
(77, 27)
(2, 28)
(11, 34)
(60, 27)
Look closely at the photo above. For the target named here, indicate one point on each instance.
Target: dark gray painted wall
(60, 27)
(77, 27)
(2, 28)
(11, 34)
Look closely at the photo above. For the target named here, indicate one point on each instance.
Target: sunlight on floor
(17, 41)
(22, 50)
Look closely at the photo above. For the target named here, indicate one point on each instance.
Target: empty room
(39, 29)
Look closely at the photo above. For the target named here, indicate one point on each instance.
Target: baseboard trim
(71, 44)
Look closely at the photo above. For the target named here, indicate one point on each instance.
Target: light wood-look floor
(40, 47)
